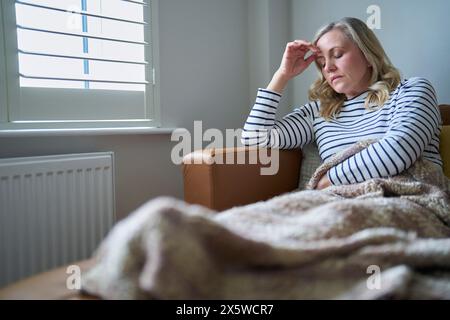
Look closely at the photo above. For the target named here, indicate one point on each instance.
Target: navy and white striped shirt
(407, 126)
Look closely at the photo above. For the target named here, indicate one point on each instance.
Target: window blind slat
(83, 13)
(82, 35)
(81, 57)
(135, 2)
(85, 79)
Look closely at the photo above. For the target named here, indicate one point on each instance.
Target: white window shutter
(74, 63)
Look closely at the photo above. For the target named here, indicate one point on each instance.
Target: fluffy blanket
(380, 239)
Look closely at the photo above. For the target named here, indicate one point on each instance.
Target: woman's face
(343, 64)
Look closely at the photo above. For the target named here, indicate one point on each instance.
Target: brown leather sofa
(221, 186)
(207, 182)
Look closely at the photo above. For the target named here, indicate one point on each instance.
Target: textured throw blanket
(380, 239)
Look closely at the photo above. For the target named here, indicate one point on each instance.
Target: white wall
(204, 62)
(414, 34)
(269, 27)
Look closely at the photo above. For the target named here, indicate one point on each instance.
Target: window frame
(10, 95)
(3, 87)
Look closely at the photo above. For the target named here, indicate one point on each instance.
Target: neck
(355, 93)
(365, 83)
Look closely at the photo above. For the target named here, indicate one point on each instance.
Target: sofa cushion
(310, 162)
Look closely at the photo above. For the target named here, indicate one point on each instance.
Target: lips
(334, 78)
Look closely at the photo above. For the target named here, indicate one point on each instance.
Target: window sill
(85, 131)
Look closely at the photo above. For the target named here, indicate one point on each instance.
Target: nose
(330, 66)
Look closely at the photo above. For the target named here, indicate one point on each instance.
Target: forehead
(331, 39)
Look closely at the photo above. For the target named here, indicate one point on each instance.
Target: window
(78, 64)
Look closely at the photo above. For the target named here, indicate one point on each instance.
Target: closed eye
(321, 61)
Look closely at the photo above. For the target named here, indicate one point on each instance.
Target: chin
(338, 89)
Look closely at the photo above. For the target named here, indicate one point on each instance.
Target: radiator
(54, 210)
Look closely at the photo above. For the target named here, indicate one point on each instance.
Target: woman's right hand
(293, 63)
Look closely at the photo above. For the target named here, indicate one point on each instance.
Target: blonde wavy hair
(385, 77)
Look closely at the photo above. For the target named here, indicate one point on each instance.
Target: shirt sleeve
(262, 129)
(415, 120)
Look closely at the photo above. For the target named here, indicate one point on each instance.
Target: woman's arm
(261, 129)
(294, 130)
(415, 121)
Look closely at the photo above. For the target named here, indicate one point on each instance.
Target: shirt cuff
(269, 94)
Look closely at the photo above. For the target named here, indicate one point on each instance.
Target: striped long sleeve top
(407, 127)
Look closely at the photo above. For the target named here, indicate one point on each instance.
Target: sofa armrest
(223, 178)
(49, 285)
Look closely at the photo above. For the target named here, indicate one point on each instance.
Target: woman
(359, 95)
